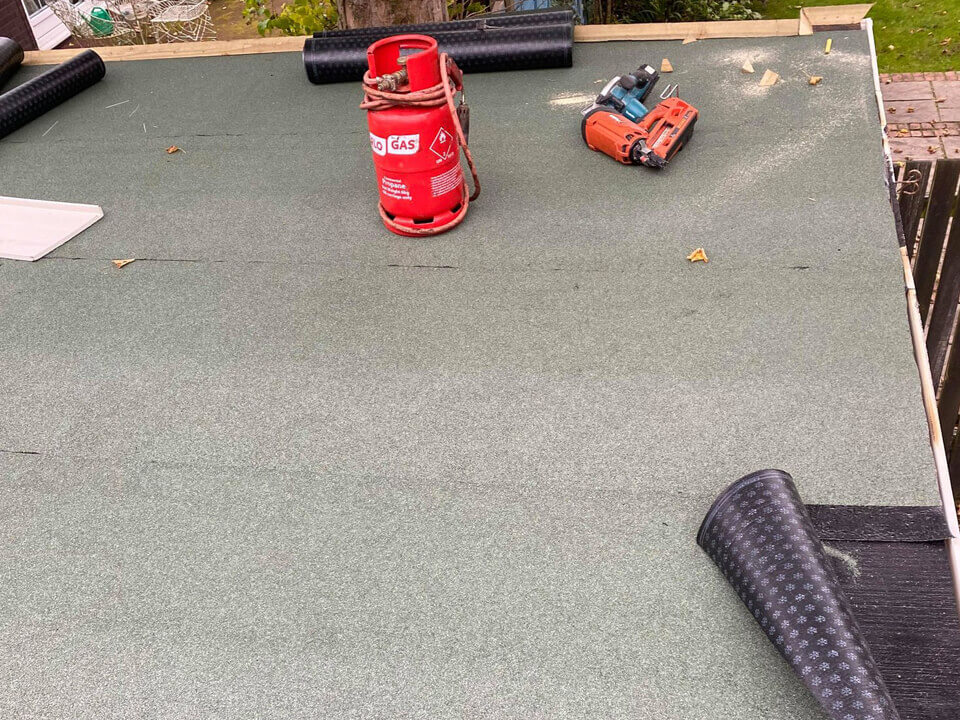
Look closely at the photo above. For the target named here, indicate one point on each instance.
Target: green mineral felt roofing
(287, 464)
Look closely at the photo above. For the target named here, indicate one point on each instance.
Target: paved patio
(923, 114)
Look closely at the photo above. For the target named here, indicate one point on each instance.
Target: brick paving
(923, 114)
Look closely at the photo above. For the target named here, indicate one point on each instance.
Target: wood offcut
(769, 79)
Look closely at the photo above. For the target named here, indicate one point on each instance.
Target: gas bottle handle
(455, 74)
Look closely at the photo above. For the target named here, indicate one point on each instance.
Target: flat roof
(287, 462)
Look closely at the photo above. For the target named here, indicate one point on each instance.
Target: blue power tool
(625, 94)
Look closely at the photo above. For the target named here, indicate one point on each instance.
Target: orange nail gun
(655, 137)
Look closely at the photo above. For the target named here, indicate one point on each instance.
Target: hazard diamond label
(443, 144)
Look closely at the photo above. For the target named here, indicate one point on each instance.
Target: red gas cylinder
(415, 135)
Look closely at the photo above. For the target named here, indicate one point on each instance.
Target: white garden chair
(189, 22)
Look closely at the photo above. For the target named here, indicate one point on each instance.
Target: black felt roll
(488, 49)
(44, 92)
(513, 19)
(11, 55)
(759, 534)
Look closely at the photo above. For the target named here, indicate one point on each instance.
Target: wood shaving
(815, 79)
(172, 149)
(698, 255)
(121, 263)
(747, 67)
(665, 66)
(828, 46)
(687, 41)
(769, 78)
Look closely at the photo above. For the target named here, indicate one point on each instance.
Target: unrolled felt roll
(759, 534)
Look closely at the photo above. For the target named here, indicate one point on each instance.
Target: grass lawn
(912, 35)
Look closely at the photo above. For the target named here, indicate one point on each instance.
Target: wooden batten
(211, 48)
(836, 16)
(810, 19)
(682, 31)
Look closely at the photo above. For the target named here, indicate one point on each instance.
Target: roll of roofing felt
(759, 534)
(532, 17)
(11, 55)
(44, 92)
(342, 59)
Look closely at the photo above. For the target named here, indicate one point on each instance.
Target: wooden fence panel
(913, 200)
(948, 404)
(937, 275)
(944, 312)
(942, 196)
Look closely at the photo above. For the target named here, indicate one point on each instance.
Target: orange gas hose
(440, 94)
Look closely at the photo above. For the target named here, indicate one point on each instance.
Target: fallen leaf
(910, 110)
(898, 150)
(946, 41)
(769, 78)
(892, 110)
(747, 67)
(665, 66)
(121, 263)
(172, 149)
(698, 255)
(904, 131)
(939, 99)
(815, 79)
(932, 149)
(891, 47)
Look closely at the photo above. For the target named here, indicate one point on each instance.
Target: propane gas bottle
(414, 137)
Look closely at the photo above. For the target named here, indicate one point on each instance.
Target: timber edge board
(811, 18)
